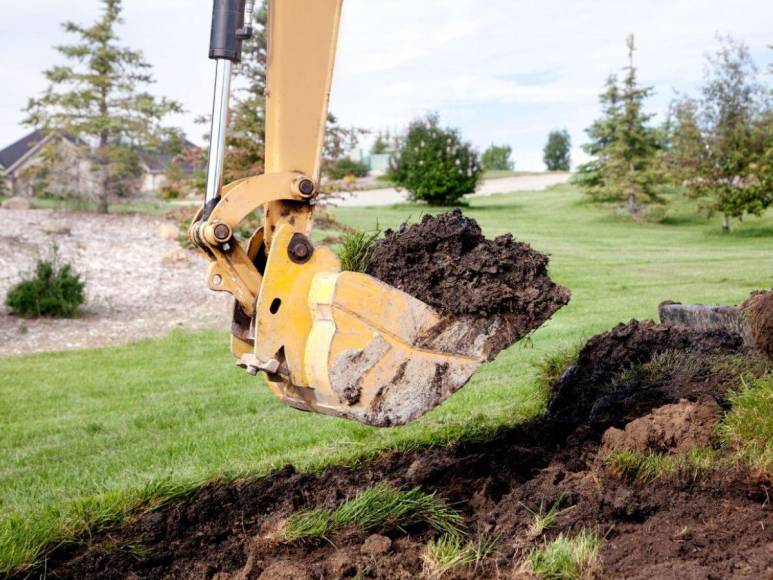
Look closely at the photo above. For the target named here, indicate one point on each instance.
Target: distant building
(18, 160)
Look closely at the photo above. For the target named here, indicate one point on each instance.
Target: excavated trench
(641, 386)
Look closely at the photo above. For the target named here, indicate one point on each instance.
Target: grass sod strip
(379, 507)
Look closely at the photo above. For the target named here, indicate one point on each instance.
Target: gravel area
(139, 282)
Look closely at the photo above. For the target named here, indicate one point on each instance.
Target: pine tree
(590, 175)
(623, 145)
(630, 172)
(98, 99)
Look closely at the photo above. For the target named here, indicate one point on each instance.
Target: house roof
(156, 162)
(14, 152)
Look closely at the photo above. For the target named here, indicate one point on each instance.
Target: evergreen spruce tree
(98, 98)
(624, 146)
(630, 171)
(601, 134)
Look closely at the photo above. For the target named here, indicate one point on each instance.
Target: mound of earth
(659, 386)
(446, 262)
(759, 310)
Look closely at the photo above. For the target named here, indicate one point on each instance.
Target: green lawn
(88, 435)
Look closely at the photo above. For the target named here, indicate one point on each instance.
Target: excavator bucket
(327, 341)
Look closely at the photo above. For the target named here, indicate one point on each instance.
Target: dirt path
(390, 196)
(139, 284)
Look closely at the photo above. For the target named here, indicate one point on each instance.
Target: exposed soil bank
(718, 526)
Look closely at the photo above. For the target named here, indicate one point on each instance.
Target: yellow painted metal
(302, 40)
(283, 319)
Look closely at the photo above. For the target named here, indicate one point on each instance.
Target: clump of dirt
(672, 429)
(718, 525)
(759, 309)
(446, 262)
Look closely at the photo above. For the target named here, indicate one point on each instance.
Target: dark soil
(446, 262)
(718, 526)
(759, 309)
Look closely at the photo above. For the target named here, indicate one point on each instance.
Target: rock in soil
(717, 526)
(759, 310)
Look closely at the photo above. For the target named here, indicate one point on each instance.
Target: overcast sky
(504, 71)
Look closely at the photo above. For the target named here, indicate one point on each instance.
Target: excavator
(326, 341)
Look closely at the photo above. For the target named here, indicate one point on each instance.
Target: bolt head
(306, 187)
(222, 232)
(301, 250)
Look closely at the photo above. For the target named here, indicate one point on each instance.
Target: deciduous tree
(557, 151)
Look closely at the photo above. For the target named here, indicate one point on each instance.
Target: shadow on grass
(742, 232)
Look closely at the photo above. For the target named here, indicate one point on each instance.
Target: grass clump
(451, 551)
(748, 427)
(647, 467)
(543, 520)
(53, 290)
(381, 506)
(308, 524)
(356, 249)
(566, 558)
(553, 365)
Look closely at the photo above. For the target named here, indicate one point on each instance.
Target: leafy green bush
(54, 290)
(497, 158)
(346, 167)
(434, 164)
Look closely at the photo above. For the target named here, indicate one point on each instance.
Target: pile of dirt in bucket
(446, 262)
(639, 387)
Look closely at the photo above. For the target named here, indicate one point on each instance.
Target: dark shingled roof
(16, 151)
(156, 161)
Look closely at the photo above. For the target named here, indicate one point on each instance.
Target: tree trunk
(104, 159)
(725, 223)
(633, 207)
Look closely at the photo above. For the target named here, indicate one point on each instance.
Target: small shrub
(434, 164)
(54, 290)
(566, 557)
(356, 249)
(346, 167)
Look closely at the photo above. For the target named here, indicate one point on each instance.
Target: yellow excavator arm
(332, 342)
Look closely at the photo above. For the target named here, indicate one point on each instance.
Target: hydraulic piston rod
(231, 24)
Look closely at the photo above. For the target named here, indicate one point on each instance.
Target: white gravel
(138, 284)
